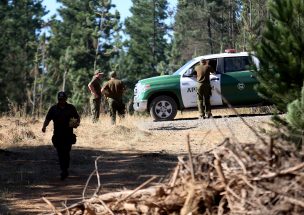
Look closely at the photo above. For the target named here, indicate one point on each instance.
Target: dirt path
(130, 154)
(36, 171)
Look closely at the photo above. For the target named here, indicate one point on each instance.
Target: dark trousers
(63, 146)
(116, 105)
(95, 109)
(203, 99)
(64, 157)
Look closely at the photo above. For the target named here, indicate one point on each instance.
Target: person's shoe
(209, 115)
(201, 117)
(64, 175)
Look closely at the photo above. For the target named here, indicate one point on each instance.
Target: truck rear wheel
(163, 108)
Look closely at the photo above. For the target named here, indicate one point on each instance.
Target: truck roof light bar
(230, 51)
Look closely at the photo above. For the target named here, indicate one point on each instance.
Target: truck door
(216, 98)
(215, 82)
(188, 87)
(237, 81)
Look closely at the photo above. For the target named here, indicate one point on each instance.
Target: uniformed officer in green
(95, 100)
(113, 90)
(203, 70)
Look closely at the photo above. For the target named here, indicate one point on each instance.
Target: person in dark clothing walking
(203, 70)
(95, 100)
(65, 118)
(113, 90)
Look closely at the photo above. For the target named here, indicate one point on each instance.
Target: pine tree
(80, 43)
(253, 15)
(281, 53)
(147, 44)
(202, 27)
(295, 114)
(20, 24)
(281, 71)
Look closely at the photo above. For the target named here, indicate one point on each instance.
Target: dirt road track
(206, 133)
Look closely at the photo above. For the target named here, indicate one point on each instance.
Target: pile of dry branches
(232, 178)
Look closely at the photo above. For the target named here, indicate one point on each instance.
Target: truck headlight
(146, 87)
(140, 88)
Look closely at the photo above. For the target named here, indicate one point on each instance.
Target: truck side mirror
(189, 73)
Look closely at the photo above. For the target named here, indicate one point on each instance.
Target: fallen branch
(219, 170)
(51, 206)
(137, 189)
(282, 172)
(106, 207)
(294, 201)
(225, 180)
(190, 157)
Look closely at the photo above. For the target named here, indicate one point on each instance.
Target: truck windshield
(178, 72)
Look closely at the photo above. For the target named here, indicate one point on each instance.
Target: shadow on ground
(225, 116)
(30, 173)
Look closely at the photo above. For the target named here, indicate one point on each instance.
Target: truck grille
(135, 90)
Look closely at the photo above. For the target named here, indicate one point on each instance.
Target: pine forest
(40, 57)
(202, 100)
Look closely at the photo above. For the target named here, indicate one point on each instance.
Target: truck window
(234, 64)
(213, 64)
(191, 72)
(183, 67)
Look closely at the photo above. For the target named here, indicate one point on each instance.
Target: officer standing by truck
(113, 90)
(65, 118)
(203, 71)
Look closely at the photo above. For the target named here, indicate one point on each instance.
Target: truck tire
(163, 108)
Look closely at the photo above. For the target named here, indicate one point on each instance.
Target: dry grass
(29, 168)
(130, 154)
(128, 134)
(17, 131)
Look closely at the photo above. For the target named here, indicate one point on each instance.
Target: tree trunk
(34, 93)
(210, 35)
(64, 79)
(97, 43)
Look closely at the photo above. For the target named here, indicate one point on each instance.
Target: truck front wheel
(163, 108)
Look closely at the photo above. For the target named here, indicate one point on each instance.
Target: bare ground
(131, 152)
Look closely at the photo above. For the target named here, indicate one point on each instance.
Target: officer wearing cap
(65, 118)
(113, 90)
(203, 70)
(95, 100)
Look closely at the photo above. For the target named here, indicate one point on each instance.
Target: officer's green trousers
(203, 99)
(95, 108)
(116, 105)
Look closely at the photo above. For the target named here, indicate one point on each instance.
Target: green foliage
(295, 112)
(281, 53)
(20, 23)
(147, 44)
(82, 41)
(203, 27)
(34, 67)
(281, 71)
(253, 16)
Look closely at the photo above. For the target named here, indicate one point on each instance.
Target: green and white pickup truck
(233, 81)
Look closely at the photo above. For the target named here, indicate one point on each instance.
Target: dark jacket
(61, 117)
